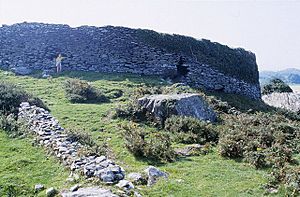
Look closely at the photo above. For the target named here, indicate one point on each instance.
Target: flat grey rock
(125, 185)
(162, 106)
(89, 192)
(189, 150)
(22, 70)
(289, 101)
(137, 178)
(154, 174)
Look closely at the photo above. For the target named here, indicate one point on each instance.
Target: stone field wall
(116, 50)
(54, 138)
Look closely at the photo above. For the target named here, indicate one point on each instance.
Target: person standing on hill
(58, 62)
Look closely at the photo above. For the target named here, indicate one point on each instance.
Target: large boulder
(289, 101)
(163, 106)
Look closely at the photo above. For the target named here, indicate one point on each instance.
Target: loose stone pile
(54, 138)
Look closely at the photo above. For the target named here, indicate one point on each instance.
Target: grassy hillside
(23, 165)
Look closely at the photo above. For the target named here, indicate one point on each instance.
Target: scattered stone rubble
(54, 138)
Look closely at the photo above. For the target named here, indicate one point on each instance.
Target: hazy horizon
(270, 29)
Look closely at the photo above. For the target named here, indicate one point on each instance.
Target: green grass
(22, 166)
(208, 175)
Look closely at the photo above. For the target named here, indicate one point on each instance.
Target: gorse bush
(276, 85)
(10, 125)
(79, 91)
(190, 130)
(113, 94)
(11, 97)
(289, 114)
(261, 139)
(289, 177)
(154, 146)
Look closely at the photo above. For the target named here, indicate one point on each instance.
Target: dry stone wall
(53, 137)
(114, 50)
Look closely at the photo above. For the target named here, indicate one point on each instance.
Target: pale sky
(270, 29)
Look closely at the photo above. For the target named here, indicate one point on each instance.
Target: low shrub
(141, 91)
(131, 111)
(113, 94)
(190, 130)
(260, 139)
(10, 125)
(154, 146)
(289, 177)
(11, 97)
(232, 146)
(79, 91)
(289, 114)
(276, 85)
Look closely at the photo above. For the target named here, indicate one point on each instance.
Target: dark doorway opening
(182, 69)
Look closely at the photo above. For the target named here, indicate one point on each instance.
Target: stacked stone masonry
(112, 50)
(53, 137)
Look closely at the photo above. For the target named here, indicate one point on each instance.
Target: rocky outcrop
(54, 138)
(289, 101)
(124, 50)
(163, 106)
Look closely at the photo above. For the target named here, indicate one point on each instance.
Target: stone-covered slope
(200, 63)
(289, 101)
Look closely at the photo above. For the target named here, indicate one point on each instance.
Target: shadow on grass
(94, 76)
(158, 163)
